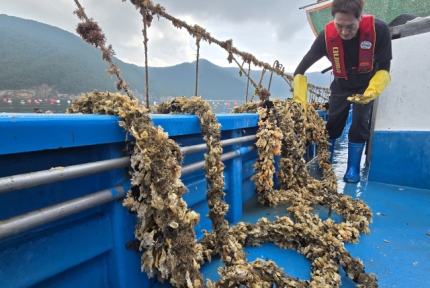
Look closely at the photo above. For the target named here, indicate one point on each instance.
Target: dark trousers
(339, 107)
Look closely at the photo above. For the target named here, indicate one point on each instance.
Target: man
(359, 48)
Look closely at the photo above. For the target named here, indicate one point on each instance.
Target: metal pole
(309, 5)
(22, 181)
(227, 156)
(202, 147)
(27, 221)
(28, 180)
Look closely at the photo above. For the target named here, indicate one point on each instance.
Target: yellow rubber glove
(376, 85)
(300, 90)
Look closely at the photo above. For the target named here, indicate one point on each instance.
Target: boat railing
(27, 221)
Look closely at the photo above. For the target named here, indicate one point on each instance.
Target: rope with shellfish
(163, 216)
(91, 32)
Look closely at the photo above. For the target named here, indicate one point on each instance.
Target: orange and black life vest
(365, 51)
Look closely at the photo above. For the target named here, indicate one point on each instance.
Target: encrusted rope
(262, 77)
(247, 83)
(165, 228)
(244, 72)
(145, 44)
(197, 65)
(197, 31)
(91, 32)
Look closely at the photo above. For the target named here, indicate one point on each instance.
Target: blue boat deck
(397, 250)
(88, 248)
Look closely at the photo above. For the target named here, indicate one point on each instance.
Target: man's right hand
(301, 90)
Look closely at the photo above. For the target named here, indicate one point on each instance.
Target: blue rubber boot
(352, 174)
(331, 148)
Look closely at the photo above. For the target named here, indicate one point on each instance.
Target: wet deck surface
(397, 250)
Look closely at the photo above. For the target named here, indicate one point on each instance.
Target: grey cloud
(275, 30)
(284, 16)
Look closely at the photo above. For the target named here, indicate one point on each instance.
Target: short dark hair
(347, 6)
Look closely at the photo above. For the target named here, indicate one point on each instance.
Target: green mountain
(33, 53)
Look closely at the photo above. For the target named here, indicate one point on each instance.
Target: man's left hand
(376, 85)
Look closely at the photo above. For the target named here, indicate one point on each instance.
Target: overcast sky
(270, 30)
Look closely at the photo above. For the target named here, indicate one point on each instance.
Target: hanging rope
(276, 65)
(145, 44)
(262, 76)
(244, 72)
(197, 64)
(197, 31)
(247, 75)
(247, 85)
(91, 32)
(240, 72)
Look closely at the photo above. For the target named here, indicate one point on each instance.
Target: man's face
(346, 25)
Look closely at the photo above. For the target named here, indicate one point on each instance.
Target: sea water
(17, 107)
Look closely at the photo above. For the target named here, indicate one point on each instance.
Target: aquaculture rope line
(244, 72)
(197, 65)
(93, 35)
(277, 65)
(163, 216)
(304, 192)
(197, 31)
(247, 82)
(145, 44)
